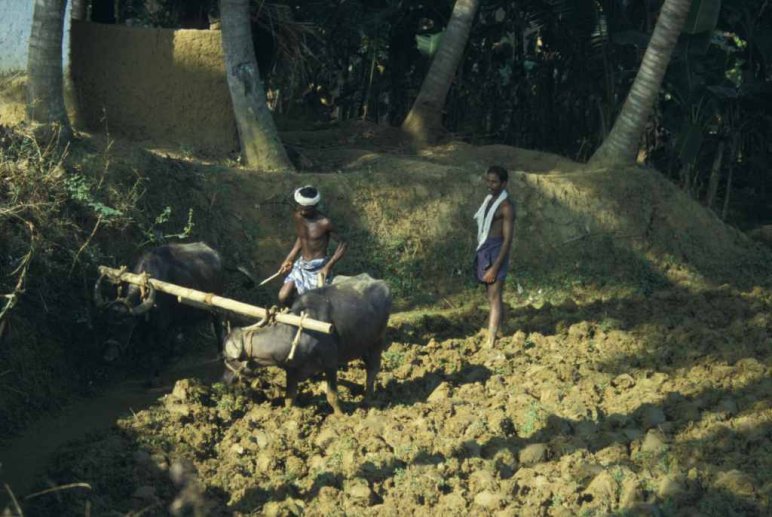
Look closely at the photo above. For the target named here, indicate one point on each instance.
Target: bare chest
(310, 230)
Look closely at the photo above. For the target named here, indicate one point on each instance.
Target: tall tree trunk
(715, 175)
(621, 145)
(260, 143)
(45, 90)
(79, 10)
(734, 151)
(727, 194)
(424, 121)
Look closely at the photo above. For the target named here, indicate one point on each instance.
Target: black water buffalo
(153, 320)
(359, 309)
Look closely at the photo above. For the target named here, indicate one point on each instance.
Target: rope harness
(236, 371)
(269, 319)
(297, 336)
(117, 279)
(143, 285)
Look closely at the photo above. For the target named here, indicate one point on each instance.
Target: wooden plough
(204, 300)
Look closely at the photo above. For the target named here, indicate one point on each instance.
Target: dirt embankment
(408, 216)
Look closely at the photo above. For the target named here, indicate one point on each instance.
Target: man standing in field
(313, 268)
(495, 230)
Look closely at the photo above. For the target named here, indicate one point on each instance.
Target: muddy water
(23, 458)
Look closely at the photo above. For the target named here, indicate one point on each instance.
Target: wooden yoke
(204, 300)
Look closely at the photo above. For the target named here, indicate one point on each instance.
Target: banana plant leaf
(689, 142)
(703, 16)
(692, 45)
(698, 44)
(761, 89)
(429, 43)
(724, 92)
(763, 42)
(631, 37)
(756, 92)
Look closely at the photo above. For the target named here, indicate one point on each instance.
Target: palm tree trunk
(79, 10)
(621, 145)
(260, 143)
(45, 90)
(424, 121)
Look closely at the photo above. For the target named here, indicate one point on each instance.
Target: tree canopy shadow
(717, 449)
(123, 474)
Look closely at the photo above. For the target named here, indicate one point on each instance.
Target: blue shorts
(486, 256)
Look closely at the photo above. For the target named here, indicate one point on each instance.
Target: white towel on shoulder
(484, 220)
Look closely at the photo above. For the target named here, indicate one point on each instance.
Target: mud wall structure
(156, 84)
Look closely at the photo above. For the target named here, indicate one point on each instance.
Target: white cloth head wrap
(307, 201)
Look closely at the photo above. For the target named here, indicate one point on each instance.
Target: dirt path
(24, 457)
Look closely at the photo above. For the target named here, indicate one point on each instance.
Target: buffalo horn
(98, 298)
(146, 304)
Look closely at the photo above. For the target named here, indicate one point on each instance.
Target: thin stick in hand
(271, 277)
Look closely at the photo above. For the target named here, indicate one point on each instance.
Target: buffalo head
(118, 317)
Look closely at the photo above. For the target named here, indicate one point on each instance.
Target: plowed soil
(623, 404)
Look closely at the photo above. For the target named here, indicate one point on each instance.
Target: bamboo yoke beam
(204, 300)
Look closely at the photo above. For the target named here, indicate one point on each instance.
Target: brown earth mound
(409, 218)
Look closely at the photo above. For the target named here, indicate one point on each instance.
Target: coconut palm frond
(290, 36)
